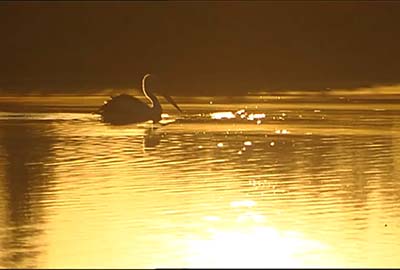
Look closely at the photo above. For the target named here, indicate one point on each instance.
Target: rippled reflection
(26, 148)
(301, 188)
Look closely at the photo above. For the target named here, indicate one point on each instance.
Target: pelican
(126, 109)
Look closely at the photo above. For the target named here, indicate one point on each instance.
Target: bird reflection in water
(151, 138)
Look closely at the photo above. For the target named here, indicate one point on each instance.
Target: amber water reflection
(317, 190)
(26, 148)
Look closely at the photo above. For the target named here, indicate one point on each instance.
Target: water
(288, 181)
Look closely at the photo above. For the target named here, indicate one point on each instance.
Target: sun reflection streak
(249, 242)
(222, 115)
(258, 246)
(242, 114)
(254, 116)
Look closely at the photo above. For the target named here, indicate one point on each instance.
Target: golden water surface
(229, 183)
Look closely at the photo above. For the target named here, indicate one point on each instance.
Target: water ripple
(320, 179)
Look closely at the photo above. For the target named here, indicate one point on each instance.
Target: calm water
(293, 181)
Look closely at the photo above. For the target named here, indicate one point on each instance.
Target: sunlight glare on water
(226, 184)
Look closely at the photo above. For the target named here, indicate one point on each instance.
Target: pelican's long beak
(170, 100)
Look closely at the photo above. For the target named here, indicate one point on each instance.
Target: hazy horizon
(136, 91)
(198, 47)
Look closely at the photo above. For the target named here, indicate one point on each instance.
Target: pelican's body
(126, 109)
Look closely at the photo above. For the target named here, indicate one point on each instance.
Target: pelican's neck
(155, 104)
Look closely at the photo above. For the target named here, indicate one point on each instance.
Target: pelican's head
(167, 97)
(144, 80)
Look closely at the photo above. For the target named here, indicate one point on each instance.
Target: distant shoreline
(24, 91)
